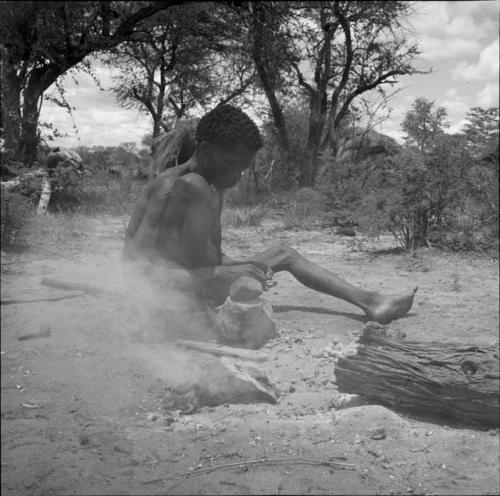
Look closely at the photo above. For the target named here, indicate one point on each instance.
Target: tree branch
(239, 91)
(362, 89)
(344, 22)
(301, 79)
(126, 28)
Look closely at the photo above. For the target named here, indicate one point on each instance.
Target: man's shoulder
(194, 181)
(164, 182)
(183, 181)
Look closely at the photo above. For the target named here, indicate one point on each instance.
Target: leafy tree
(42, 41)
(162, 73)
(481, 131)
(338, 51)
(182, 67)
(426, 189)
(268, 44)
(411, 194)
(481, 134)
(283, 174)
(424, 123)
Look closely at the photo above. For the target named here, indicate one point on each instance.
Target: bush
(412, 195)
(301, 209)
(102, 193)
(17, 211)
(67, 189)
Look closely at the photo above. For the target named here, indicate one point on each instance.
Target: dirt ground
(76, 407)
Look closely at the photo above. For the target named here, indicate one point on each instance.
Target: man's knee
(286, 256)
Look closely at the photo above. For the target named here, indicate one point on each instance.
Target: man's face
(224, 165)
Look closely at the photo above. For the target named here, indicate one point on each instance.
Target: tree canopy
(41, 41)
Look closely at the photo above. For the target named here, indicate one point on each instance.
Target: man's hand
(256, 270)
(232, 272)
(268, 282)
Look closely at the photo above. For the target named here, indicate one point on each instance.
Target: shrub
(412, 195)
(242, 216)
(302, 209)
(111, 195)
(67, 188)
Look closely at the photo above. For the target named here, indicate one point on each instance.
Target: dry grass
(242, 216)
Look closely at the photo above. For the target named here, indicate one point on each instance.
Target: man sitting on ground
(177, 225)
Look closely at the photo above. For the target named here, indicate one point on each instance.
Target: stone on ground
(245, 289)
(245, 324)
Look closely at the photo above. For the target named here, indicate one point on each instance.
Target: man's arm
(230, 262)
(141, 231)
(187, 224)
(137, 214)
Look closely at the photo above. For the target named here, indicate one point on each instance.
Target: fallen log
(451, 381)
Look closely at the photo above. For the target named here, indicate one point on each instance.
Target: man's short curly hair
(226, 125)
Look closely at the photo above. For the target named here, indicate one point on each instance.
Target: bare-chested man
(177, 225)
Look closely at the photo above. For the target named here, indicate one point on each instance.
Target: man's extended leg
(382, 308)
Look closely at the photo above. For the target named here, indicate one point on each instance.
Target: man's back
(140, 237)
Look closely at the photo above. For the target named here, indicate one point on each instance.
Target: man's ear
(204, 147)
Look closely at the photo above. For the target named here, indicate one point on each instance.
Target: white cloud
(465, 20)
(108, 126)
(436, 48)
(454, 105)
(486, 67)
(456, 127)
(485, 15)
(488, 97)
(451, 93)
(98, 117)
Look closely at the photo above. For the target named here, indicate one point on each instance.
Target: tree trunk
(29, 138)
(450, 381)
(154, 170)
(309, 168)
(259, 58)
(276, 111)
(10, 108)
(43, 203)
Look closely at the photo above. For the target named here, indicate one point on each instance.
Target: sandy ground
(76, 406)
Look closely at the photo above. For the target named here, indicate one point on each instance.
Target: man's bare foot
(386, 308)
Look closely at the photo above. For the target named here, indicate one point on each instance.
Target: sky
(458, 40)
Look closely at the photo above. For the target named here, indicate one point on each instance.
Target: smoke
(159, 307)
(163, 304)
(179, 369)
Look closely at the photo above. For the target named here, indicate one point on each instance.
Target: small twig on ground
(43, 332)
(221, 350)
(263, 461)
(36, 300)
(24, 261)
(91, 289)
